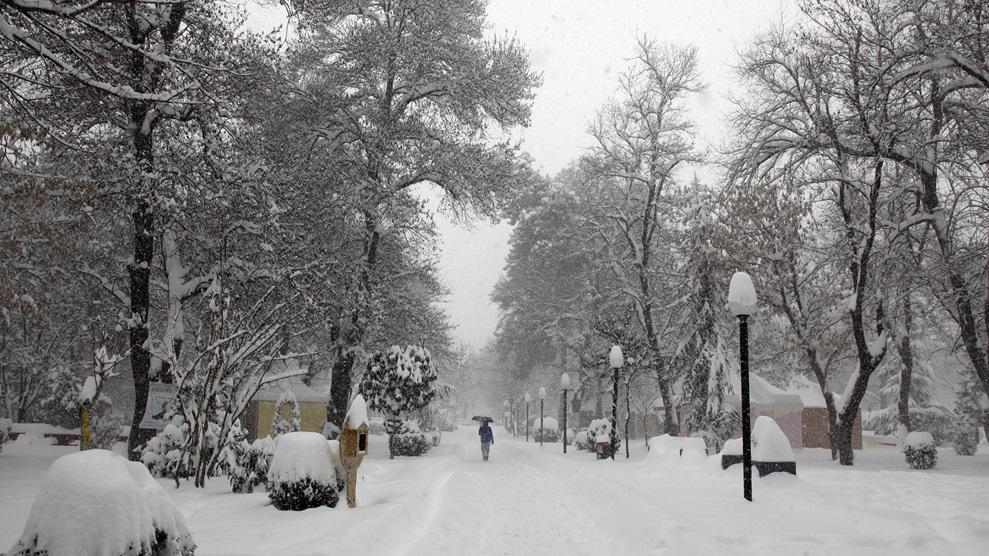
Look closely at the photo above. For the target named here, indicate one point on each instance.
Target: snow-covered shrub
(920, 450)
(550, 431)
(410, 441)
(106, 430)
(434, 438)
(966, 441)
(97, 502)
(246, 464)
(302, 474)
(581, 441)
(280, 425)
(163, 453)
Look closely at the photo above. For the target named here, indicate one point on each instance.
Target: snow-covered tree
(279, 424)
(397, 382)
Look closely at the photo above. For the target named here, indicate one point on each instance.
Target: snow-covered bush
(550, 431)
(302, 474)
(163, 453)
(966, 441)
(600, 431)
(97, 502)
(920, 450)
(434, 438)
(581, 441)
(410, 441)
(281, 425)
(246, 464)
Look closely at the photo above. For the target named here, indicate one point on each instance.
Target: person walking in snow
(487, 439)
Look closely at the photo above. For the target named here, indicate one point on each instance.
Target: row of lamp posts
(742, 302)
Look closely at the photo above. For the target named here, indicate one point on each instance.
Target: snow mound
(302, 455)
(669, 450)
(917, 440)
(97, 502)
(768, 441)
(732, 447)
(357, 415)
(679, 445)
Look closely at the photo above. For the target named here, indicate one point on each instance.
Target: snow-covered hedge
(434, 438)
(163, 453)
(411, 441)
(302, 474)
(97, 502)
(920, 450)
(966, 441)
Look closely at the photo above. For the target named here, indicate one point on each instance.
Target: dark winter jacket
(487, 437)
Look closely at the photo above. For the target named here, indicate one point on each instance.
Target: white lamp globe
(615, 358)
(542, 393)
(565, 381)
(741, 295)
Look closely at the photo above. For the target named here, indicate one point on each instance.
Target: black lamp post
(742, 303)
(616, 360)
(565, 385)
(542, 431)
(528, 399)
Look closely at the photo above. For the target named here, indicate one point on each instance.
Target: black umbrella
(482, 419)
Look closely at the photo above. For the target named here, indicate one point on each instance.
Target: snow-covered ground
(532, 500)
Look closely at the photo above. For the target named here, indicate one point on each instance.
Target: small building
(765, 399)
(261, 409)
(815, 415)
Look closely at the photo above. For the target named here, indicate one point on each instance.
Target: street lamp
(528, 399)
(616, 360)
(565, 385)
(542, 398)
(742, 303)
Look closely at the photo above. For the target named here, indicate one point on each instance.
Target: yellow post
(84, 432)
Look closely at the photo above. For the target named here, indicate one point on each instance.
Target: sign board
(160, 397)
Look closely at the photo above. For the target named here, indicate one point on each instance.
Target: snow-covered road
(532, 500)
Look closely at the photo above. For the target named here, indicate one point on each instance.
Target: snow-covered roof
(357, 415)
(809, 392)
(762, 392)
(303, 393)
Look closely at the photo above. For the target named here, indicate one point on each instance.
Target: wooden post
(352, 488)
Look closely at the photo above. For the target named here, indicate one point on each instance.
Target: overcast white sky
(580, 47)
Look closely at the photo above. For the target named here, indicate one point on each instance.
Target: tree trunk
(671, 424)
(842, 437)
(140, 274)
(906, 372)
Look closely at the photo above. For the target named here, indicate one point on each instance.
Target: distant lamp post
(742, 303)
(528, 398)
(616, 360)
(565, 385)
(542, 398)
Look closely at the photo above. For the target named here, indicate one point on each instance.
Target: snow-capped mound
(768, 441)
(97, 502)
(302, 455)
